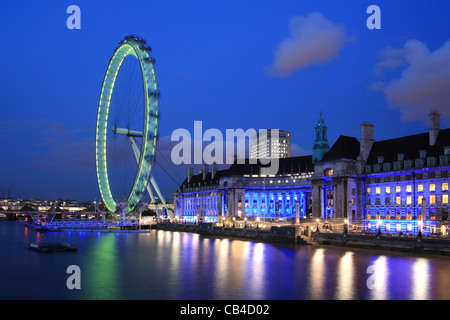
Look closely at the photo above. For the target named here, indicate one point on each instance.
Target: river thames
(168, 265)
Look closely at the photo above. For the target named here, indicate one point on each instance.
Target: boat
(43, 221)
(52, 247)
(42, 227)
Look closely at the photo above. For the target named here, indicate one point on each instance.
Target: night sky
(231, 64)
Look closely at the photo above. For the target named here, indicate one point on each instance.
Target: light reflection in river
(345, 277)
(166, 265)
(317, 274)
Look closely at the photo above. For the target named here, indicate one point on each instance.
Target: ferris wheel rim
(135, 46)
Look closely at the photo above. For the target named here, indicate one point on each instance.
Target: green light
(148, 147)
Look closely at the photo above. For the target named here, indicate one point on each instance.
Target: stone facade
(369, 185)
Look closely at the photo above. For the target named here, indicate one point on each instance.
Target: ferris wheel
(127, 127)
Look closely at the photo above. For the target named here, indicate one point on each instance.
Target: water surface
(177, 266)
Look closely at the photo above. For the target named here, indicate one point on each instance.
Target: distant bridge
(14, 215)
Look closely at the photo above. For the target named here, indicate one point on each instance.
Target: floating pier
(52, 247)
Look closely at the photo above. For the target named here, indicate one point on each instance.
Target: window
(377, 190)
(446, 150)
(398, 189)
(444, 198)
(387, 200)
(368, 190)
(408, 200)
(397, 200)
(445, 186)
(408, 188)
(387, 190)
(432, 187)
(419, 199)
(420, 187)
(433, 199)
(419, 163)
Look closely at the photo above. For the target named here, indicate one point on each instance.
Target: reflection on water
(317, 274)
(380, 274)
(166, 265)
(345, 277)
(420, 280)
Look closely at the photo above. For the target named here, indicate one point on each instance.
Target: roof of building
(291, 165)
(410, 146)
(344, 148)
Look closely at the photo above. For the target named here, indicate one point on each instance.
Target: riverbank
(281, 234)
(300, 235)
(386, 242)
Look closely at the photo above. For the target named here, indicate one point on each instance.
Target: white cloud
(313, 40)
(424, 83)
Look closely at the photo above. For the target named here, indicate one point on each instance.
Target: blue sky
(215, 63)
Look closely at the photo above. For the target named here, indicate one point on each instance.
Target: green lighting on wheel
(130, 47)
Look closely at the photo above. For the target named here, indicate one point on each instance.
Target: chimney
(213, 170)
(190, 174)
(366, 140)
(205, 171)
(434, 127)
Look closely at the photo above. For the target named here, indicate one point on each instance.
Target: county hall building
(393, 186)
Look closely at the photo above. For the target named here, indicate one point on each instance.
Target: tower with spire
(321, 145)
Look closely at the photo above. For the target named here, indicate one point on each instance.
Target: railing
(92, 224)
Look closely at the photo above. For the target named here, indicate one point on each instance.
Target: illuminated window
(445, 198)
(408, 188)
(419, 199)
(368, 190)
(388, 190)
(397, 200)
(420, 187)
(398, 189)
(432, 187)
(377, 190)
(445, 186)
(433, 199)
(408, 200)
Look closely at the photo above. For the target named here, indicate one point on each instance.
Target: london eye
(127, 127)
